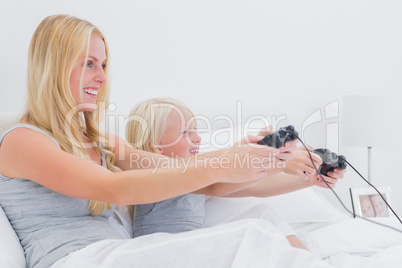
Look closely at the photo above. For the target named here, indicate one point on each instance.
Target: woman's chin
(86, 107)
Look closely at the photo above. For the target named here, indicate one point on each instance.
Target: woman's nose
(100, 76)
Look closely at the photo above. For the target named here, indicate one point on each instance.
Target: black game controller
(278, 139)
(330, 161)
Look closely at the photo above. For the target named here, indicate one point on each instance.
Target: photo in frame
(366, 202)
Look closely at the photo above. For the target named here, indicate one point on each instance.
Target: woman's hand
(286, 149)
(254, 139)
(241, 163)
(285, 152)
(278, 158)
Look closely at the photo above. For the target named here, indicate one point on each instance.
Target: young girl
(59, 176)
(168, 127)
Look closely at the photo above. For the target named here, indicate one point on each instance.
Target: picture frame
(367, 203)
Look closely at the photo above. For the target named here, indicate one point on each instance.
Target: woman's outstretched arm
(25, 153)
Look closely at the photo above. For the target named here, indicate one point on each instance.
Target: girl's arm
(28, 154)
(278, 165)
(284, 183)
(299, 174)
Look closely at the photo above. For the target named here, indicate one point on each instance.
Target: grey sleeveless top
(50, 225)
(175, 215)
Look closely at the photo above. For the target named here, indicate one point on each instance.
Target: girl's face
(85, 93)
(180, 138)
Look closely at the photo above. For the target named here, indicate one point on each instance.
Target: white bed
(331, 234)
(336, 237)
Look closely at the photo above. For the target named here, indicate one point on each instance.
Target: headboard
(8, 119)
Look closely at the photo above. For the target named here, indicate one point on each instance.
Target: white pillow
(303, 206)
(11, 252)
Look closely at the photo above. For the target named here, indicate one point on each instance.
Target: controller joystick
(279, 138)
(330, 161)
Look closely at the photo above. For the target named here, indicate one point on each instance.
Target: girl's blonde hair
(56, 46)
(147, 120)
(146, 125)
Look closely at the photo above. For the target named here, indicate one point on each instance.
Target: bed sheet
(341, 241)
(355, 243)
(239, 244)
(331, 234)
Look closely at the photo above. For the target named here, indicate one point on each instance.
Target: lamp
(368, 121)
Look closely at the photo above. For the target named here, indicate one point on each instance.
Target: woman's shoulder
(23, 134)
(20, 144)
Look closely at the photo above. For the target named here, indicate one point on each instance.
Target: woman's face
(180, 138)
(93, 75)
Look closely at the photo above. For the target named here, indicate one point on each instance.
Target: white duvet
(329, 233)
(346, 243)
(335, 240)
(358, 243)
(244, 243)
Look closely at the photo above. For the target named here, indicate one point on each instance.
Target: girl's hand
(332, 178)
(301, 165)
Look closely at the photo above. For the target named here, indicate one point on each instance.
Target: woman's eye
(184, 132)
(90, 64)
(103, 66)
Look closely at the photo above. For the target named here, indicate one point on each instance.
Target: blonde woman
(60, 175)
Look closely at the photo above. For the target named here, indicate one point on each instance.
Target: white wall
(291, 56)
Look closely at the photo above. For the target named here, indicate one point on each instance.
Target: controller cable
(343, 205)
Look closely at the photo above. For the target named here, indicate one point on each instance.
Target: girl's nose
(196, 139)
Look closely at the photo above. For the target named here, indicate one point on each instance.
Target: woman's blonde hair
(56, 46)
(147, 121)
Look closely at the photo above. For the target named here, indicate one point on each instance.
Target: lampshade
(371, 121)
